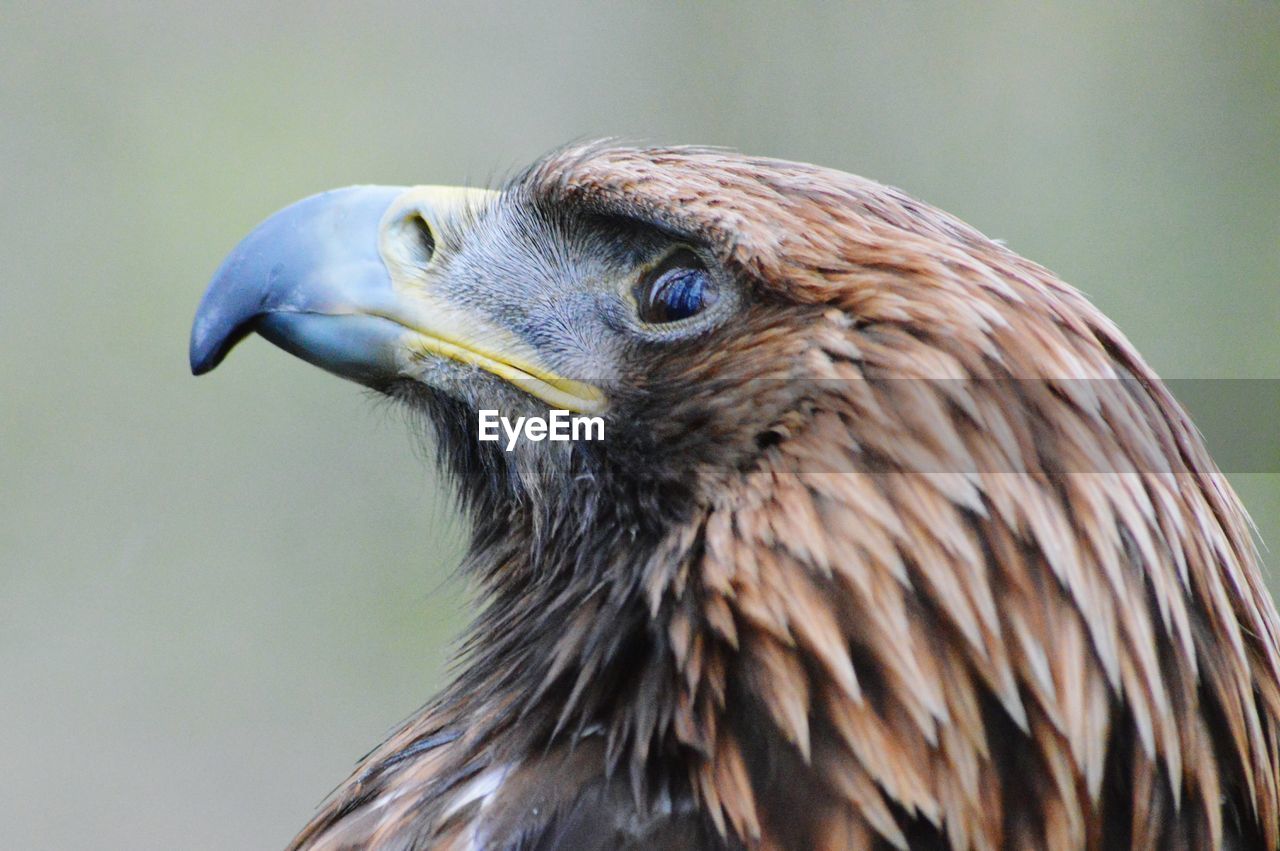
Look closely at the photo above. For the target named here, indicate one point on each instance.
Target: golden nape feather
(905, 548)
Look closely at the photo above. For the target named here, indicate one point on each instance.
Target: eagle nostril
(418, 240)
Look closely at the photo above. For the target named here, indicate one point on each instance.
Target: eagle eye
(675, 289)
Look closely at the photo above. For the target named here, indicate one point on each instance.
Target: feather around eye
(678, 288)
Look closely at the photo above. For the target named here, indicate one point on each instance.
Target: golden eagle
(892, 541)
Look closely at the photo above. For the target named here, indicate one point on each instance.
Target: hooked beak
(337, 279)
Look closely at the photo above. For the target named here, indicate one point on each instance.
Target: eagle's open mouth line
(575, 396)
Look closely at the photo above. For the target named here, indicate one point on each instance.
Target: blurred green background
(217, 594)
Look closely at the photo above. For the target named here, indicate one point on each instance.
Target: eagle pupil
(677, 291)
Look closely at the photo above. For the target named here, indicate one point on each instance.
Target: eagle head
(889, 538)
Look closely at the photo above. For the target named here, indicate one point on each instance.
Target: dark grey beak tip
(226, 314)
(199, 366)
(207, 350)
